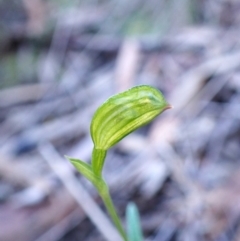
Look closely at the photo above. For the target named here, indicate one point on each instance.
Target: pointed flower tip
(169, 107)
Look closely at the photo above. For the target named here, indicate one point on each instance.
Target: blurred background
(60, 59)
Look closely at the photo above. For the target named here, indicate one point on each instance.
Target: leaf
(134, 231)
(123, 113)
(84, 168)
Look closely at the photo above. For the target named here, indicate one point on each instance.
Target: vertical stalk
(98, 158)
(105, 195)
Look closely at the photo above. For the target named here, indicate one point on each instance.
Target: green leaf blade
(134, 231)
(84, 168)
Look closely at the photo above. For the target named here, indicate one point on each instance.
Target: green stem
(98, 158)
(105, 195)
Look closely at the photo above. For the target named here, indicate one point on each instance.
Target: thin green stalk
(98, 158)
(105, 195)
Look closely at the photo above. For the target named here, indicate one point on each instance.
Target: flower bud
(123, 113)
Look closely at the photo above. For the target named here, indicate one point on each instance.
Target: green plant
(134, 231)
(120, 115)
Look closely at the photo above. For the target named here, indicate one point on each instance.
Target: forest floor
(182, 170)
